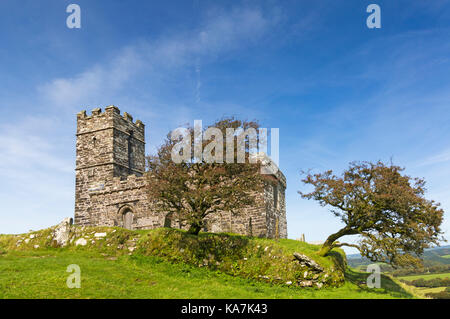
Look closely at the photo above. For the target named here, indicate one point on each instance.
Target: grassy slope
(26, 272)
(422, 291)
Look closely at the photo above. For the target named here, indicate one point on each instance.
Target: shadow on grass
(339, 260)
(387, 284)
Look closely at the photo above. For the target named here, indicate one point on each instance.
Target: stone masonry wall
(111, 183)
(109, 147)
(119, 196)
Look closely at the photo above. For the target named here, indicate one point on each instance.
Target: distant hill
(435, 256)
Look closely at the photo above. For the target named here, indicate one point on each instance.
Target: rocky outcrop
(308, 262)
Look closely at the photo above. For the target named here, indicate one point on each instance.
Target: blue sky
(337, 90)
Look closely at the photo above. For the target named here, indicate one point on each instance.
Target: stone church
(110, 185)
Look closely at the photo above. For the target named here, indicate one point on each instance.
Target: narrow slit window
(275, 196)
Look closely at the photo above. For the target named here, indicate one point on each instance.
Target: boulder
(81, 242)
(307, 283)
(308, 262)
(62, 231)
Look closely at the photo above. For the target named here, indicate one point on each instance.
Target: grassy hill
(425, 276)
(436, 256)
(168, 263)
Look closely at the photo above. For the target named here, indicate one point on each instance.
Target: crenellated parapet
(110, 138)
(111, 113)
(270, 168)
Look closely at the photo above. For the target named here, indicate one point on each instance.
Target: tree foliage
(430, 283)
(193, 190)
(386, 208)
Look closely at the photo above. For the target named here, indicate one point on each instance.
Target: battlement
(109, 144)
(109, 111)
(269, 167)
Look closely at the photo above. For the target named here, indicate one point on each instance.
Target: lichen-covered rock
(306, 261)
(100, 235)
(81, 242)
(307, 283)
(61, 232)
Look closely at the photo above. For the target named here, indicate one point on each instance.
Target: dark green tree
(386, 208)
(195, 189)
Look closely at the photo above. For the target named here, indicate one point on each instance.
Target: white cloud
(37, 164)
(157, 60)
(28, 145)
(439, 158)
(37, 175)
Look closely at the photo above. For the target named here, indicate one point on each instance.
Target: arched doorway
(126, 217)
(168, 220)
(128, 220)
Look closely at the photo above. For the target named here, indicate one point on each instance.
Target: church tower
(108, 145)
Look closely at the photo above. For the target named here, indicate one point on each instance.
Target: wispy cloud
(37, 178)
(222, 32)
(442, 157)
(37, 165)
(396, 104)
(29, 144)
(88, 85)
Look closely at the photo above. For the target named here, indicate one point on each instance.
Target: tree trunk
(326, 247)
(328, 244)
(194, 229)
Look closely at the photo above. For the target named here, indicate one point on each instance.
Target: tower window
(130, 150)
(275, 196)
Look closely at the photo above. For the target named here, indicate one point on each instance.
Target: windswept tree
(194, 175)
(386, 208)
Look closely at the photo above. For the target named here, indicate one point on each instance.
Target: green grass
(446, 256)
(41, 273)
(168, 263)
(422, 291)
(247, 257)
(425, 276)
(425, 290)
